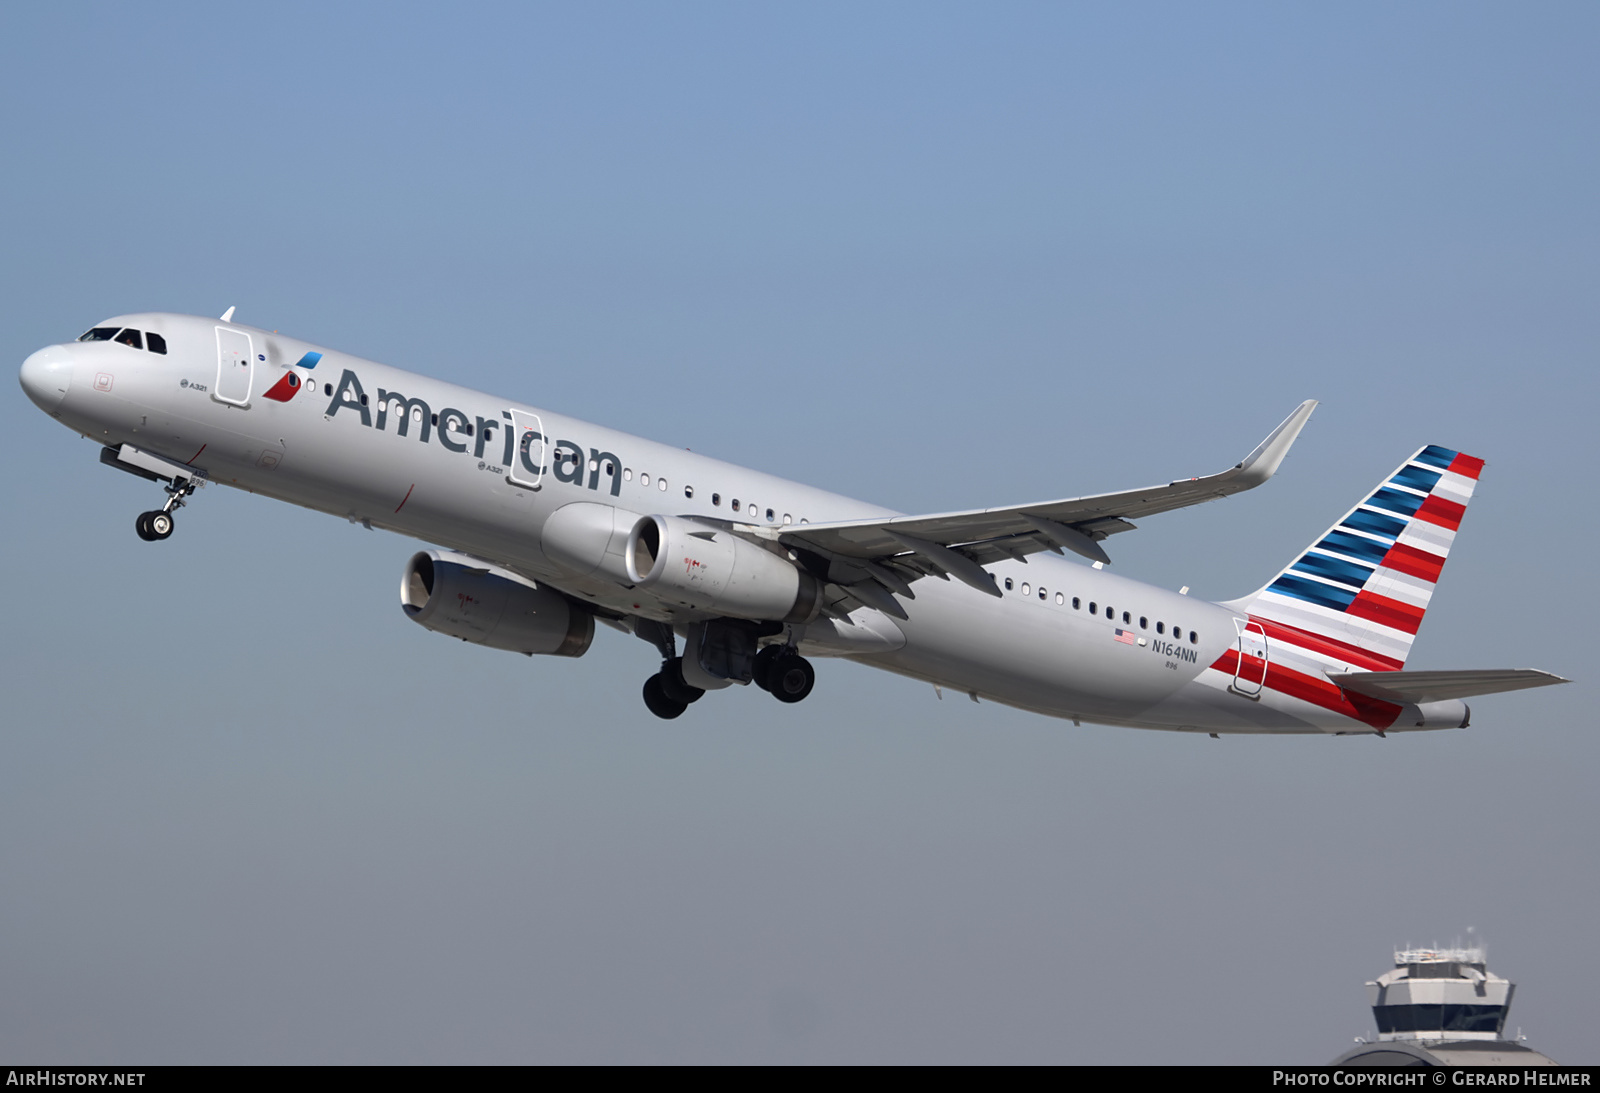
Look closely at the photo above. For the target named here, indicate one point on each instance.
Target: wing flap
(1422, 687)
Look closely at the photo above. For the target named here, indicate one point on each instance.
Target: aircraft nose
(46, 376)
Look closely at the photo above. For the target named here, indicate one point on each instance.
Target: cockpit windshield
(130, 337)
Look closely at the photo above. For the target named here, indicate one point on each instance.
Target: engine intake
(710, 568)
(463, 597)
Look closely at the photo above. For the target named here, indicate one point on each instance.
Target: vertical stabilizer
(1357, 595)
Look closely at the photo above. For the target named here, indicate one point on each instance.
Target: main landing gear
(784, 673)
(157, 524)
(725, 652)
(779, 670)
(666, 693)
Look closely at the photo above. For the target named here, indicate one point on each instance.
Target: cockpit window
(131, 337)
(156, 343)
(99, 334)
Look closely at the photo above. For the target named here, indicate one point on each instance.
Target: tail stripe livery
(1358, 594)
(1369, 710)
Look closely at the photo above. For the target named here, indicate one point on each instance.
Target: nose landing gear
(157, 524)
(153, 526)
(180, 482)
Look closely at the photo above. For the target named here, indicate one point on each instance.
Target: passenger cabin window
(1111, 612)
(1076, 603)
(131, 338)
(1061, 600)
(99, 334)
(1008, 584)
(156, 344)
(1161, 628)
(716, 499)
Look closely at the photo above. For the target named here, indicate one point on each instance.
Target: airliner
(542, 525)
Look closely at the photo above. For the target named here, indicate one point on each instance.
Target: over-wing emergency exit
(544, 525)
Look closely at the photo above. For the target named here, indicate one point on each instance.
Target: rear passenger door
(1250, 673)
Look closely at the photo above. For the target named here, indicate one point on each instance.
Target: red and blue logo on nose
(285, 389)
(289, 383)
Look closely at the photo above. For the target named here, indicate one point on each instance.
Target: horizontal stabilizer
(1420, 687)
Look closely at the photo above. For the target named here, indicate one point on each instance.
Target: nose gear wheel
(158, 524)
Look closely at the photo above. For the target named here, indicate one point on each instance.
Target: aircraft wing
(958, 544)
(1439, 686)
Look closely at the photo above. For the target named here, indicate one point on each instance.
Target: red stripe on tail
(1436, 510)
(1319, 692)
(1387, 612)
(1341, 651)
(1413, 562)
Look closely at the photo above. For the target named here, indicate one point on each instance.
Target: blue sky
(935, 256)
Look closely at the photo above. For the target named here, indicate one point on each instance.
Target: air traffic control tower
(1441, 1007)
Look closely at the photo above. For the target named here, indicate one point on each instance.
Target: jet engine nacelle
(588, 539)
(710, 568)
(469, 599)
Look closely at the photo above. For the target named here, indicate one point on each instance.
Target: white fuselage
(332, 441)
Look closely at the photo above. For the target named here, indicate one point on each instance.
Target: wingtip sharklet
(1263, 463)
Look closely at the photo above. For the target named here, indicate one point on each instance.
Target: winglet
(227, 316)
(1262, 463)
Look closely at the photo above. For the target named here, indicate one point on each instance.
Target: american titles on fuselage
(523, 455)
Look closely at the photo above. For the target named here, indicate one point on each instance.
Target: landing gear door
(528, 444)
(235, 366)
(1250, 673)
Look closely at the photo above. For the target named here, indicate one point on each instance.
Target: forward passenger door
(235, 367)
(527, 453)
